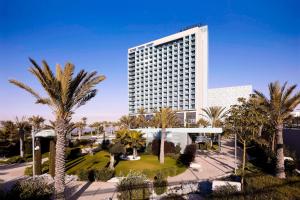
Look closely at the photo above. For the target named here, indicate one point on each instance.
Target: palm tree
(203, 122)
(81, 126)
(141, 120)
(279, 105)
(36, 122)
(98, 128)
(65, 94)
(135, 141)
(9, 130)
(127, 122)
(23, 127)
(163, 119)
(214, 115)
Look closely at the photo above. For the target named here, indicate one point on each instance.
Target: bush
(173, 196)
(160, 184)
(104, 174)
(86, 175)
(105, 144)
(228, 190)
(172, 155)
(148, 149)
(45, 169)
(177, 148)
(16, 159)
(169, 147)
(134, 186)
(33, 189)
(72, 153)
(188, 156)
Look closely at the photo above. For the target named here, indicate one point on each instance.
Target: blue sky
(250, 42)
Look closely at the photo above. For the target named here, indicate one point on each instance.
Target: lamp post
(235, 153)
(33, 152)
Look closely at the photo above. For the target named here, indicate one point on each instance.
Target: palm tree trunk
(79, 134)
(21, 133)
(244, 158)
(273, 142)
(134, 153)
(260, 130)
(112, 161)
(280, 173)
(162, 146)
(59, 180)
(52, 158)
(38, 158)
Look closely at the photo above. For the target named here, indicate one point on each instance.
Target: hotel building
(170, 72)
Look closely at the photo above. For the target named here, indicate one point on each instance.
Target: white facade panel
(227, 96)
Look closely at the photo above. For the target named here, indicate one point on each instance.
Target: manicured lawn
(149, 165)
(96, 161)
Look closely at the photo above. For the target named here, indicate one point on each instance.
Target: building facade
(228, 96)
(170, 72)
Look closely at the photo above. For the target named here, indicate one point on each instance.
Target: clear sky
(250, 42)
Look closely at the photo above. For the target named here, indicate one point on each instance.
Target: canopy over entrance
(46, 133)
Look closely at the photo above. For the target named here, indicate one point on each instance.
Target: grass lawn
(96, 161)
(149, 165)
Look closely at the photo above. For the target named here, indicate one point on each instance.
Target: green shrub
(104, 174)
(173, 196)
(172, 155)
(177, 148)
(228, 191)
(270, 187)
(45, 169)
(160, 184)
(134, 186)
(31, 190)
(86, 175)
(188, 156)
(16, 159)
(169, 147)
(28, 171)
(72, 153)
(148, 149)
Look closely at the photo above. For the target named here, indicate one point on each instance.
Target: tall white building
(170, 72)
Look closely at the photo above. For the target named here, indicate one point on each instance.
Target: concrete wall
(228, 96)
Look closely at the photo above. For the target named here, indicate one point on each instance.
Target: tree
(65, 94)
(98, 128)
(81, 126)
(36, 122)
(214, 115)
(203, 123)
(114, 150)
(9, 130)
(127, 122)
(135, 141)
(279, 106)
(163, 119)
(243, 121)
(141, 120)
(23, 127)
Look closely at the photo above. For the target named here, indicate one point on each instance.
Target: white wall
(228, 96)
